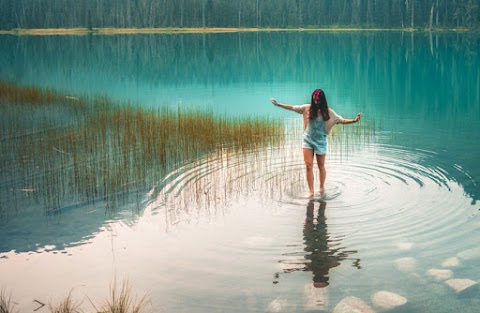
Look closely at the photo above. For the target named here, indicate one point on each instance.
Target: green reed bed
(60, 150)
(346, 139)
(272, 172)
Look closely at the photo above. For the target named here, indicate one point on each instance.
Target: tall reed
(62, 149)
(122, 300)
(270, 173)
(6, 304)
(68, 305)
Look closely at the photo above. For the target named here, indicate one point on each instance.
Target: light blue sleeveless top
(315, 129)
(315, 137)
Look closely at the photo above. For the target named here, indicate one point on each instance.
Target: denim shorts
(318, 145)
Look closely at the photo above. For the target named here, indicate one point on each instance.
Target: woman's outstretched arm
(284, 106)
(347, 121)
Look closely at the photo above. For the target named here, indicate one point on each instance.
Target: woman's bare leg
(308, 158)
(323, 171)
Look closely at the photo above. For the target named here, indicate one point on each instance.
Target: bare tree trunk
(407, 9)
(356, 12)
(257, 12)
(17, 19)
(239, 13)
(413, 14)
(181, 12)
(204, 4)
(431, 17)
(369, 13)
(150, 16)
(300, 14)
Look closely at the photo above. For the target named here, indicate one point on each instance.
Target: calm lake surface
(237, 233)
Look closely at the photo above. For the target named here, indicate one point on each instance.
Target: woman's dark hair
(319, 102)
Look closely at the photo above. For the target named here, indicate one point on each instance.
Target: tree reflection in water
(321, 253)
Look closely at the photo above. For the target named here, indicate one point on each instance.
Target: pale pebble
(386, 300)
(277, 305)
(405, 246)
(460, 284)
(440, 275)
(405, 264)
(451, 262)
(316, 298)
(470, 254)
(352, 305)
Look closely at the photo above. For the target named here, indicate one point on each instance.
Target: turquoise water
(236, 232)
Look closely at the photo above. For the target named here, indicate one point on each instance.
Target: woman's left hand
(359, 116)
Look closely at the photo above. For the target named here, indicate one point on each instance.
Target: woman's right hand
(274, 101)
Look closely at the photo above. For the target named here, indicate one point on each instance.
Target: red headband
(316, 94)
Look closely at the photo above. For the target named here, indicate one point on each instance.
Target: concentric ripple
(394, 194)
(376, 193)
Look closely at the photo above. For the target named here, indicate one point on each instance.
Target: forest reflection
(173, 59)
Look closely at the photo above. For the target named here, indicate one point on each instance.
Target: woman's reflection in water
(323, 253)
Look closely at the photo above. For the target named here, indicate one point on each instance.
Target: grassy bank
(200, 30)
(62, 149)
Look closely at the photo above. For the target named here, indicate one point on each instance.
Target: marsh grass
(123, 300)
(68, 305)
(6, 304)
(201, 189)
(58, 150)
(346, 139)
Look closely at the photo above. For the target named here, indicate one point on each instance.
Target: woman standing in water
(318, 121)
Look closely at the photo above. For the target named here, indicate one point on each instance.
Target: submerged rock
(405, 246)
(405, 264)
(277, 305)
(386, 300)
(451, 262)
(462, 285)
(470, 254)
(352, 305)
(440, 275)
(316, 298)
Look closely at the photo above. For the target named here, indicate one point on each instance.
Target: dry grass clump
(63, 150)
(6, 304)
(122, 300)
(66, 306)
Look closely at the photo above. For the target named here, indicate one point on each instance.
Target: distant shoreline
(173, 30)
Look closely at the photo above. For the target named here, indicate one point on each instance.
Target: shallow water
(236, 232)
